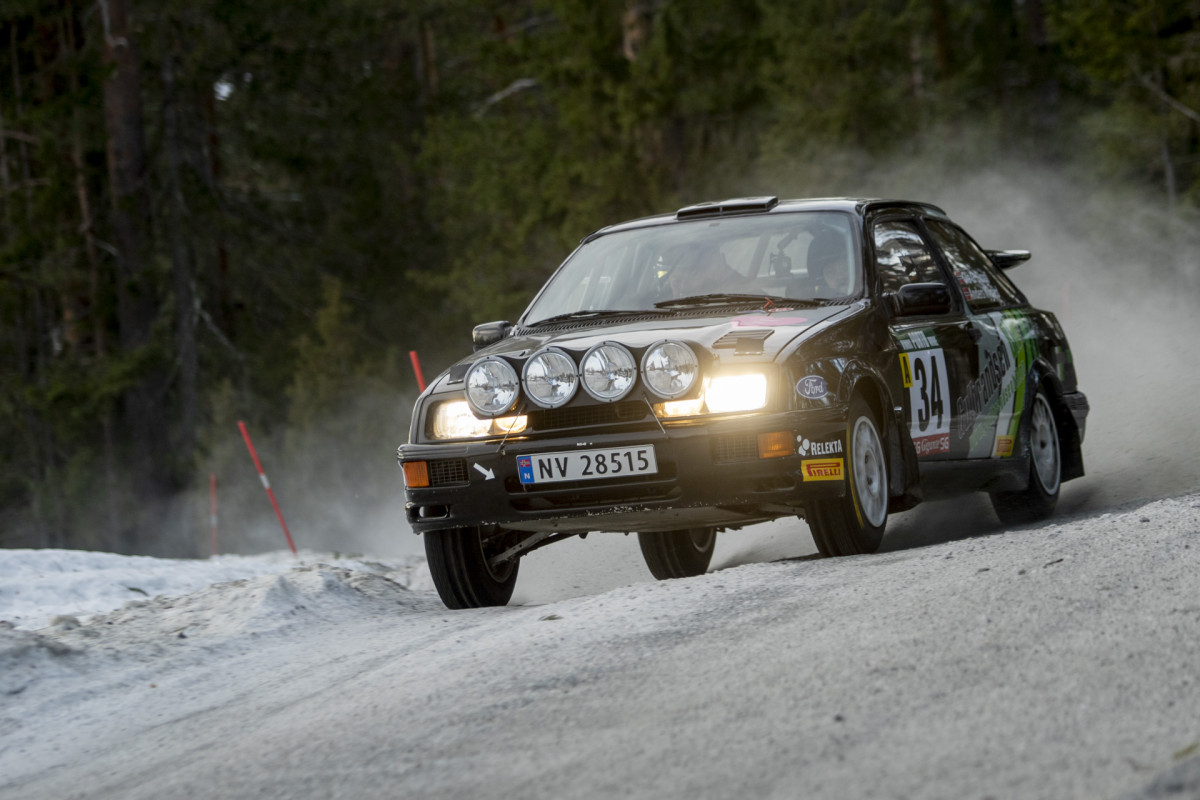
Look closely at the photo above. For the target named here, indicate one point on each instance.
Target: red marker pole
(412, 356)
(266, 485)
(212, 508)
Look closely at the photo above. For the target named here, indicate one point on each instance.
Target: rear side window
(902, 257)
(982, 285)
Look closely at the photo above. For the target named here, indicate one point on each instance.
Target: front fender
(904, 474)
(1044, 375)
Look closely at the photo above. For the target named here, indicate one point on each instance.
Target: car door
(1005, 344)
(934, 349)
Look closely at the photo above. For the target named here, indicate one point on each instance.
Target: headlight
(454, 420)
(723, 394)
(670, 369)
(492, 386)
(680, 408)
(726, 394)
(550, 378)
(608, 372)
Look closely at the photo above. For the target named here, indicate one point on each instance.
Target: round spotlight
(609, 371)
(550, 378)
(492, 386)
(670, 369)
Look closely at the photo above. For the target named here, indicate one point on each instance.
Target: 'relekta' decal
(804, 447)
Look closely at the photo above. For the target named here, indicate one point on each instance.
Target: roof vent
(738, 205)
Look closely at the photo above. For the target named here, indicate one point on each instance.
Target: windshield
(803, 256)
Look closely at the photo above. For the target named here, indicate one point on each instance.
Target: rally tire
(853, 524)
(1037, 501)
(459, 566)
(678, 554)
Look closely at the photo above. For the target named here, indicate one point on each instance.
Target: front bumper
(709, 473)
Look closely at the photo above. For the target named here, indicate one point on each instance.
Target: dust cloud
(1122, 274)
(1120, 271)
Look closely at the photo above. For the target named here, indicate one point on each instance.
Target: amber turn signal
(775, 444)
(416, 473)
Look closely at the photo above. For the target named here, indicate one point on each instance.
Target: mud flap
(904, 483)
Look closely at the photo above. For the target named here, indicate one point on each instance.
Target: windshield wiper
(591, 314)
(725, 299)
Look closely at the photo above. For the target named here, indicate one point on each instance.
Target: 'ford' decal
(812, 386)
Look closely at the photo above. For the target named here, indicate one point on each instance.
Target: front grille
(447, 472)
(730, 447)
(580, 416)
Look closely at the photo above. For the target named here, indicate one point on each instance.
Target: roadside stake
(412, 356)
(266, 485)
(212, 508)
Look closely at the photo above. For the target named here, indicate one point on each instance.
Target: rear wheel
(1038, 500)
(459, 563)
(678, 554)
(853, 524)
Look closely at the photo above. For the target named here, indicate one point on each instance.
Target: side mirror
(920, 299)
(489, 333)
(1007, 259)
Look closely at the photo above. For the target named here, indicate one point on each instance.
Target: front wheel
(1038, 500)
(460, 563)
(678, 554)
(853, 524)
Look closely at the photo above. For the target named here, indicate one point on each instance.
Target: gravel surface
(1054, 662)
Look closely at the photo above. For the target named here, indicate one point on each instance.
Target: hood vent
(747, 342)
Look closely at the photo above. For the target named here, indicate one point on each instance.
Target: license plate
(587, 465)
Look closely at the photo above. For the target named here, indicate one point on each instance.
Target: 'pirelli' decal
(822, 469)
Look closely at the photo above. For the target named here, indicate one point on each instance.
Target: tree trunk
(943, 52)
(137, 298)
(182, 264)
(222, 296)
(109, 528)
(22, 149)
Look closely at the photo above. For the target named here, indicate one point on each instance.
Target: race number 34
(928, 385)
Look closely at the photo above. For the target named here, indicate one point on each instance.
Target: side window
(983, 287)
(902, 257)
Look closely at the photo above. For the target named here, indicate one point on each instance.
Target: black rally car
(736, 362)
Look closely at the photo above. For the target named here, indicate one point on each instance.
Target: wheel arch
(903, 470)
(1043, 376)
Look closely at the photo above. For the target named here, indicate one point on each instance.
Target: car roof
(752, 206)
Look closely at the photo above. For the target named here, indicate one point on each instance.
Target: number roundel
(931, 408)
(924, 373)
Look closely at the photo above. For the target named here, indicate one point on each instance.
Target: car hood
(763, 334)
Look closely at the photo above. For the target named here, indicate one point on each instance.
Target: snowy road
(962, 661)
(1055, 662)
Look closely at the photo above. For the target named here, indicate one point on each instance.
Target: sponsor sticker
(932, 445)
(1004, 446)
(812, 387)
(804, 447)
(822, 469)
(929, 401)
(767, 320)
